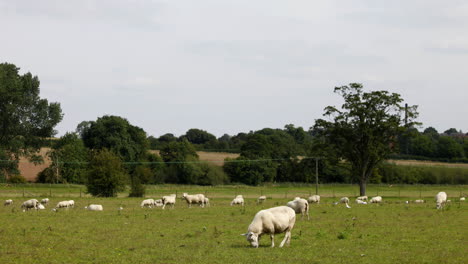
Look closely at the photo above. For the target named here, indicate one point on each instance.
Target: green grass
(393, 232)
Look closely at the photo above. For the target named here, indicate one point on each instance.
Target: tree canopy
(26, 120)
(366, 127)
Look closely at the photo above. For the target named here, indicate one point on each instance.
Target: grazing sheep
(169, 199)
(271, 221)
(362, 198)
(360, 202)
(71, 203)
(344, 200)
(441, 199)
(63, 204)
(94, 207)
(8, 202)
(40, 206)
(261, 199)
(238, 200)
(376, 199)
(461, 199)
(207, 202)
(45, 201)
(194, 199)
(32, 203)
(314, 199)
(419, 201)
(300, 206)
(147, 203)
(158, 202)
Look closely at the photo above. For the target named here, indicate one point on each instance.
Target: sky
(236, 66)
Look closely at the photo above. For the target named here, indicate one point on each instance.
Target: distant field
(428, 163)
(393, 232)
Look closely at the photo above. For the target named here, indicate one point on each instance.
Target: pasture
(392, 232)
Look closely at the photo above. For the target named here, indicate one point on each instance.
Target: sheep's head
(252, 238)
(184, 194)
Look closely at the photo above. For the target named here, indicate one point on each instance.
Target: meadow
(392, 232)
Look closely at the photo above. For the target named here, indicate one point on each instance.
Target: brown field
(30, 171)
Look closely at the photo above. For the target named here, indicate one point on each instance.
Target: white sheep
(63, 204)
(271, 221)
(194, 199)
(32, 203)
(261, 199)
(207, 202)
(71, 203)
(168, 200)
(300, 206)
(362, 198)
(376, 199)
(238, 200)
(462, 199)
(45, 201)
(94, 207)
(314, 199)
(360, 201)
(158, 202)
(40, 206)
(441, 199)
(8, 202)
(344, 200)
(147, 203)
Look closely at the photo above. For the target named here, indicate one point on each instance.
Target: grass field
(393, 232)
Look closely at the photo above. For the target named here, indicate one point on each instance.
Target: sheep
(271, 221)
(362, 198)
(63, 204)
(45, 201)
(314, 199)
(419, 201)
(194, 199)
(8, 202)
(71, 203)
(40, 206)
(158, 202)
(441, 199)
(261, 199)
(169, 199)
(238, 200)
(462, 198)
(94, 207)
(344, 200)
(376, 199)
(32, 203)
(207, 202)
(360, 202)
(147, 203)
(300, 206)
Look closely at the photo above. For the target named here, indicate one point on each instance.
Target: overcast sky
(235, 66)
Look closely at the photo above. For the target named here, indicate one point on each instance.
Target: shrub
(16, 178)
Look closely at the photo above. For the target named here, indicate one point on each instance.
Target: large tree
(365, 129)
(26, 120)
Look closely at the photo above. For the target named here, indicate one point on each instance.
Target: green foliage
(16, 178)
(106, 176)
(392, 173)
(241, 170)
(198, 136)
(365, 129)
(47, 175)
(26, 120)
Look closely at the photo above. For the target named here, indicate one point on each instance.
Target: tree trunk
(362, 187)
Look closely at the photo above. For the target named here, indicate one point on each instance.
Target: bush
(16, 178)
(106, 176)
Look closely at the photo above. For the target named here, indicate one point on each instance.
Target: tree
(26, 120)
(365, 128)
(106, 176)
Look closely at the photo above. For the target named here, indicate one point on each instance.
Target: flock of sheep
(276, 220)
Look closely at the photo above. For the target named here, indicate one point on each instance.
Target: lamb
(194, 199)
(71, 203)
(147, 203)
(344, 200)
(32, 203)
(300, 206)
(45, 201)
(169, 199)
(261, 199)
(238, 200)
(362, 198)
(271, 221)
(94, 207)
(8, 202)
(360, 202)
(376, 199)
(441, 199)
(158, 202)
(63, 204)
(40, 206)
(461, 199)
(314, 199)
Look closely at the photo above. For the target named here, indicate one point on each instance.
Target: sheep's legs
(287, 238)
(272, 237)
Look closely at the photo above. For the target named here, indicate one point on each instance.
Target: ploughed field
(392, 232)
